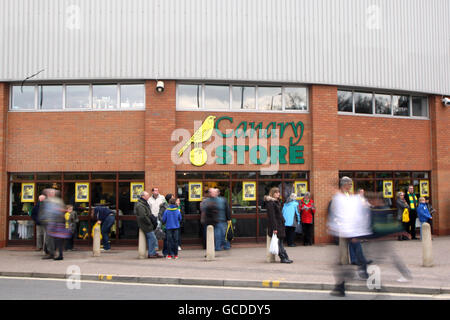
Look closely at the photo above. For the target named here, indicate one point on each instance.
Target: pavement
(242, 266)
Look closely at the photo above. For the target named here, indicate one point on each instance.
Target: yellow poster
(300, 188)
(82, 192)
(388, 187)
(195, 191)
(249, 191)
(27, 192)
(424, 188)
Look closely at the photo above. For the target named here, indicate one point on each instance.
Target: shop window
(21, 230)
(217, 97)
(131, 176)
(103, 176)
(383, 175)
(48, 176)
(188, 207)
(363, 102)
(366, 185)
(420, 175)
(132, 96)
(401, 185)
(296, 175)
(345, 101)
(22, 176)
(241, 205)
(189, 175)
(364, 175)
(244, 175)
(76, 176)
(189, 96)
(295, 98)
(243, 97)
(17, 207)
(217, 175)
(263, 190)
(104, 96)
(382, 104)
(419, 106)
(77, 97)
(402, 175)
(245, 228)
(23, 98)
(269, 98)
(50, 97)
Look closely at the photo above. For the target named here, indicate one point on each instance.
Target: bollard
(96, 243)
(343, 251)
(427, 248)
(269, 257)
(142, 245)
(210, 247)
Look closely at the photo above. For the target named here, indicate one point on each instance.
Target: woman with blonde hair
(276, 221)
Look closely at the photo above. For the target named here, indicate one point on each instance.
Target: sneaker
(169, 257)
(338, 291)
(176, 258)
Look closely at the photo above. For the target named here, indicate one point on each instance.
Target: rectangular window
(400, 105)
(363, 103)
(345, 101)
(189, 96)
(269, 98)
(50, 97)
(132, 96)
(217, 97)
(295, 98)
(104, 96)
(419, 107)
(77, 97)
(243, 97)
(23, 98)
(383, 104)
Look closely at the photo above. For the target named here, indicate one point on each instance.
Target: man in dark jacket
(147, 223)
(106, 218)
(40, 229)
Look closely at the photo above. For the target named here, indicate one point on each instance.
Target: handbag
(229, 235)
(273, 249)
(298, 228)
(405, 216)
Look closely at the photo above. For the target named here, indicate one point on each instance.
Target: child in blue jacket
(172, 218)
(423, 214)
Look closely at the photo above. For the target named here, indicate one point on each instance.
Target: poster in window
(424, 188)
(82, 192)
(27, 192)
(300, 187)
(249, 191)
(388, 187)
(135, 190)
(195, 191)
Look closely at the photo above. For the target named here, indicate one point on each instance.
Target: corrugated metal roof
(392, 44)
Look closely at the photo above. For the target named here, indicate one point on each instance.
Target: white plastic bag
(274, 245)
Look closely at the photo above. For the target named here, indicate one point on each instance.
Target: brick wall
(440, 138)
(75, 141)
(375, 143)
(325, 147)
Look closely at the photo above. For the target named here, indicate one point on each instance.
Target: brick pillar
(324, 150)
(159, 125)
(440, 176)
(4, 102)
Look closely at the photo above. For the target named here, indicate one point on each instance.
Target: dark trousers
(282, 251)
(172, 241)
(69, 242)
(59, 246)
(412, 223)
(307, 233)
(290, 235)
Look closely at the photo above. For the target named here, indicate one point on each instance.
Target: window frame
(391, 94)
(231, 85)
(64, 96)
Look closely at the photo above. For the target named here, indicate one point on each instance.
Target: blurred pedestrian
(432, 211)
(160, 231)
(291, 217)
(411, 199)
(218, 206)
(172, 218)
(147, 222)
(355, 249)
(56, 227)
(349, 221)
(72, 220)
(207, 215)
(40, 228)
(106, 218)
(402, 214)
(423, 214)
(307, 211)
(276, 222)
(178, 203)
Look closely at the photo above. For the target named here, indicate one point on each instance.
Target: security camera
(446, 101)
(159, 86)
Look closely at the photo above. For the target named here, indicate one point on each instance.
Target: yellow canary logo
(198, 156)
